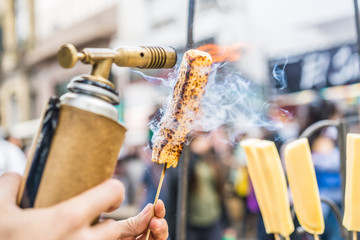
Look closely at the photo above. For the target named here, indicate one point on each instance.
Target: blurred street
(279, 67)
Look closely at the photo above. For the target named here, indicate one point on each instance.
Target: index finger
(89, 205)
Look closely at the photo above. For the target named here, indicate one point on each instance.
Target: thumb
(9, 187)
(134, 226)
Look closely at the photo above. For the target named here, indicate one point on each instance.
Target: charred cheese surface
(176, 122)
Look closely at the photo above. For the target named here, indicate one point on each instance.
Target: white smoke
(230, 100)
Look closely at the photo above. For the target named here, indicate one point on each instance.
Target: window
(14, 107)
(22, 21)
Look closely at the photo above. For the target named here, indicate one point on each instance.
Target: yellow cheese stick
(270, 187)
(351, 219)
(303, 185)
(257, 180)
(277, 200)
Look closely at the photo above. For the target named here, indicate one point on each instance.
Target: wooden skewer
(354, 235)
(157, 194)
(316, 237)
(277, 236)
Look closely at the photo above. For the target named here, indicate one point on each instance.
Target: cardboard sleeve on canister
(83, 153)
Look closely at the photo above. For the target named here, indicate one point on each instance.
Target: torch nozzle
(145, 57)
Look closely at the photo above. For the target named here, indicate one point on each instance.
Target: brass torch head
(141, 57)
(146, 57)
(102, 59)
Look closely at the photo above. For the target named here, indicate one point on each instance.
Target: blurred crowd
(221, 203)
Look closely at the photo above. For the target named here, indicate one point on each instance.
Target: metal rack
(342, 126)
(183, 179)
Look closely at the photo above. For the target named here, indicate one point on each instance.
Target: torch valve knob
(68, 56)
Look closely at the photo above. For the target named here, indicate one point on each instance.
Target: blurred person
(207, 216)
(73, 218)
(16, 141)
(206, 213)
(12, 157)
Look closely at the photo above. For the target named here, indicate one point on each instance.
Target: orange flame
(229, 53)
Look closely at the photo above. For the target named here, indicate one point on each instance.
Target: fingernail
(159, 200)
(146, 209)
